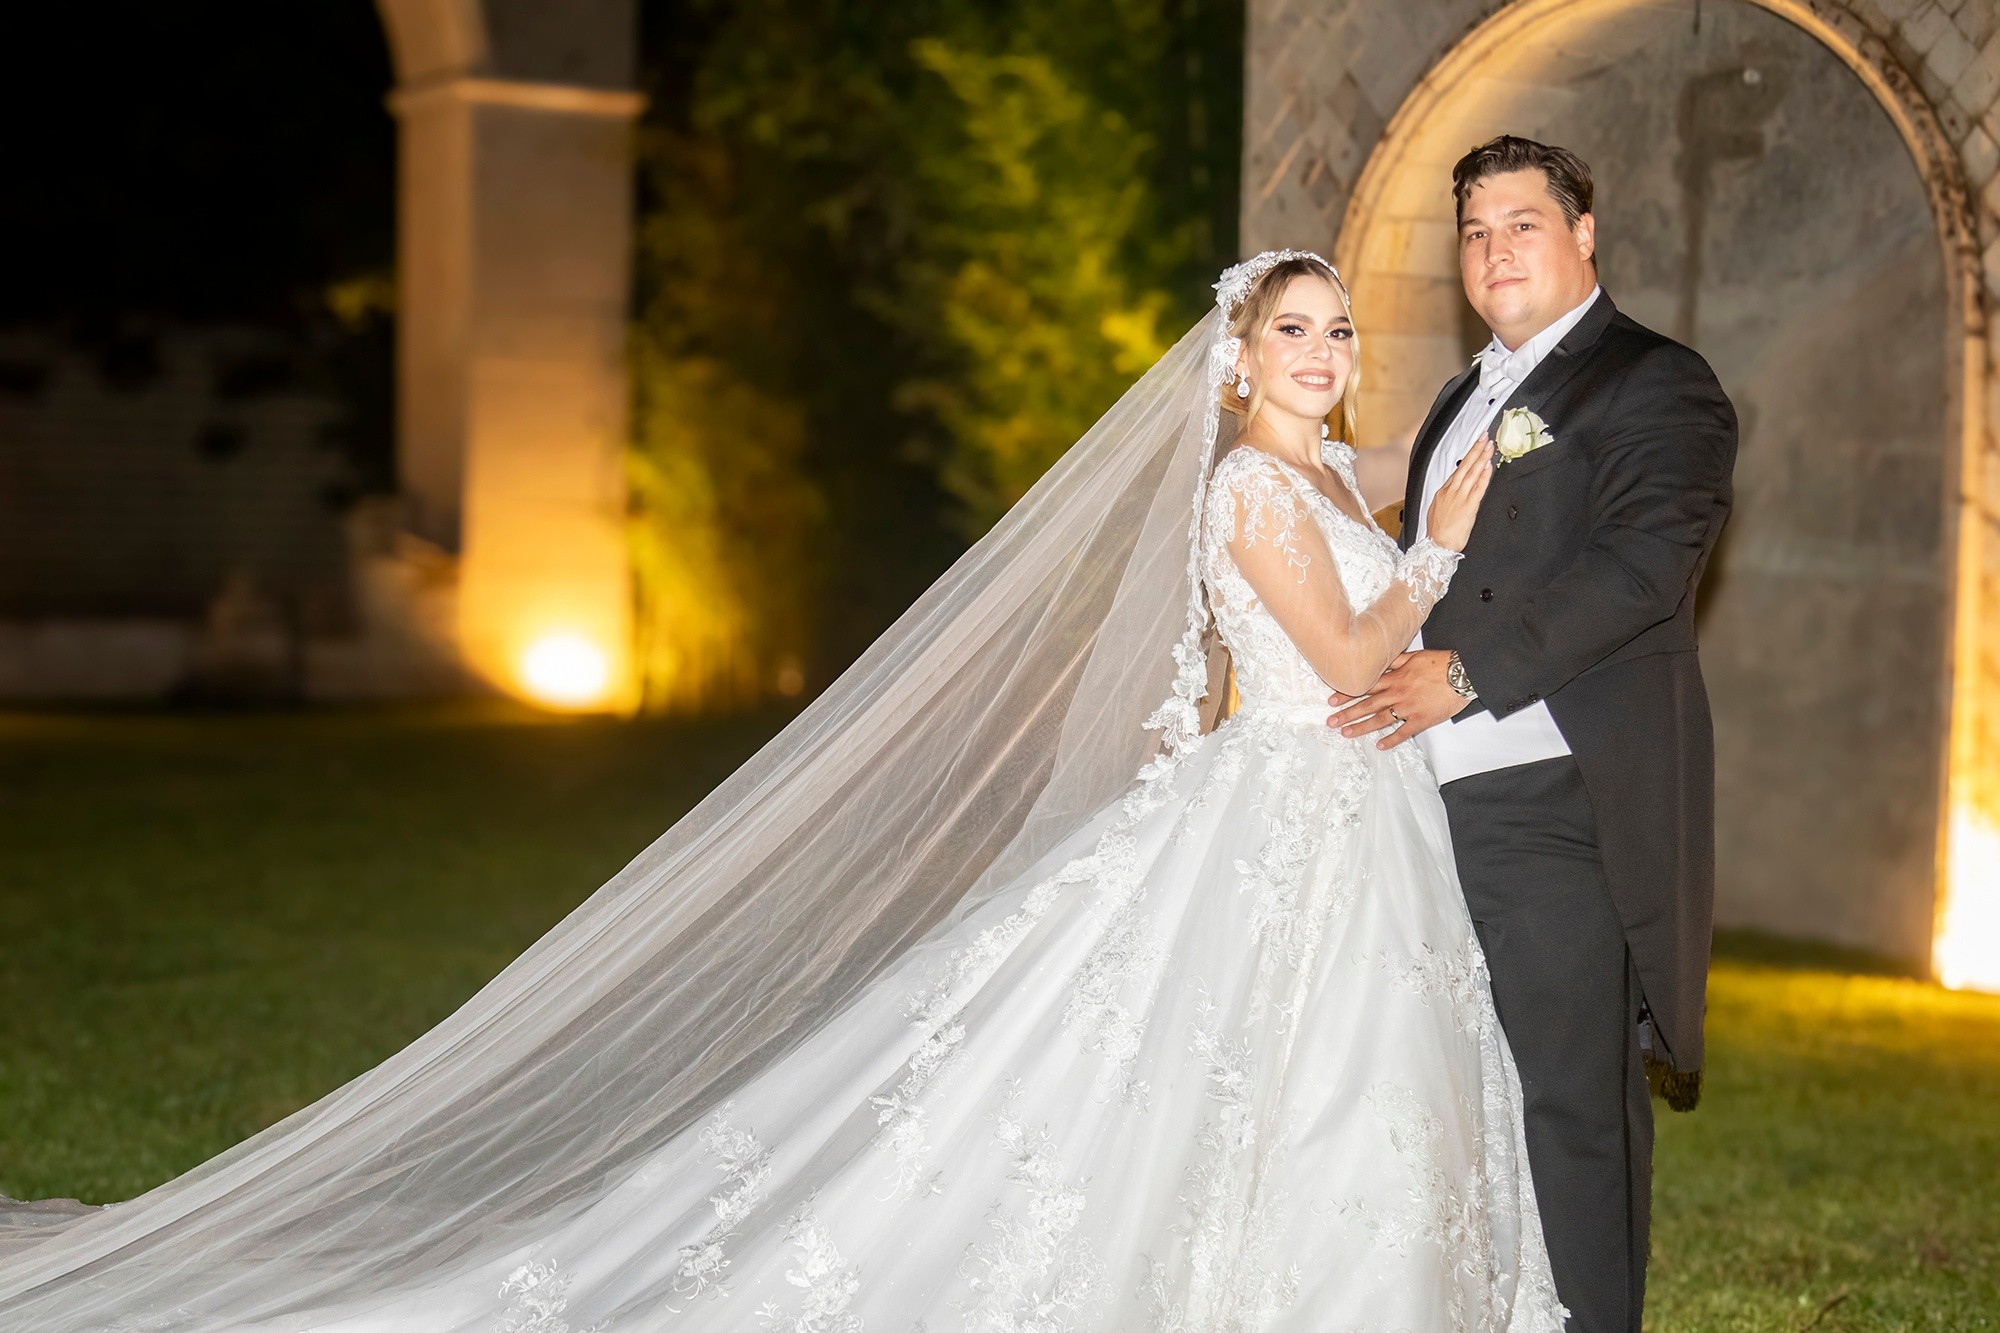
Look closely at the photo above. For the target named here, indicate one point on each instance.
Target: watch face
(1455, 677)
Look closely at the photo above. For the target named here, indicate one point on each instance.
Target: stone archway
(514, 240)
(1842, 634)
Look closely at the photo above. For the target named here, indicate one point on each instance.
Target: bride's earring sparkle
(1242, 385)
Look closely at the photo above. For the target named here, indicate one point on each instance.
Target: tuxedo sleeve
(1660, 490)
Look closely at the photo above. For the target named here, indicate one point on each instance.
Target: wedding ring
(1400, 719)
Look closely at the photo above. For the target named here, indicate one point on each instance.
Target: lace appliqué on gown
(745, 1164)
(1226, 1267)
(1034, 1276)
(828, 1280)
(537, 1299)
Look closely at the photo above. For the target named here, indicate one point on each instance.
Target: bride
(934, 1015)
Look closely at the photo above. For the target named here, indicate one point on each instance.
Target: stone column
(514, 270)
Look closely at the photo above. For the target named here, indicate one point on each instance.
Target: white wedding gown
(1227, 1060)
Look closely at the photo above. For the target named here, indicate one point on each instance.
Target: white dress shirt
(1479, 742)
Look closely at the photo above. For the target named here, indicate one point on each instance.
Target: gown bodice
(1270, 670)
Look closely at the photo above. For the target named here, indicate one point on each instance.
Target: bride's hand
(1457, 502)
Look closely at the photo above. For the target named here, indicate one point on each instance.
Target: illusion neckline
(1330, 450)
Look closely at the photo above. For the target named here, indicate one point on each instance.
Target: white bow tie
(1496, 362)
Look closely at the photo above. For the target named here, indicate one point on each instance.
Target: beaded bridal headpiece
(1233, 287)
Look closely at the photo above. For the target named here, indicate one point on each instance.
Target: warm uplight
(1967, 953)
(567, 670)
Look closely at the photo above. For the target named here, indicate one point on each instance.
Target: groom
(1556, 692)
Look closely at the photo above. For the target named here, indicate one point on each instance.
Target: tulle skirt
(1227, 1060)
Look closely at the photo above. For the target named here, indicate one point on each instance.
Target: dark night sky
(214, 160)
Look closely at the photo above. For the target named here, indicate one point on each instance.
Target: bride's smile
(1309, 354)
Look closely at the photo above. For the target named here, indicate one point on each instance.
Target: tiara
(1236, 281)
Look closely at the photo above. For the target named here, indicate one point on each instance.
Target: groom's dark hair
(1568, 174)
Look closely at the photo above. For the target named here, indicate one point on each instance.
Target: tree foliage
(722, 511)
(1040, 195)
(895, 259)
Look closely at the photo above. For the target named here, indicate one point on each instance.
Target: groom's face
(1523, 264)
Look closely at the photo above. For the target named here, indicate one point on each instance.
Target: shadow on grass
(1767, 950)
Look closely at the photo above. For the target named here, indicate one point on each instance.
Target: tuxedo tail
(1680, 1091)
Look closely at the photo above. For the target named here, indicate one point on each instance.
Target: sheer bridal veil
(1018, 696)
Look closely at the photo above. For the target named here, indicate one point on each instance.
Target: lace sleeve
(1258, 515)
(1426, 570)
(1252, 506)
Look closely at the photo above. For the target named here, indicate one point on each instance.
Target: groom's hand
(1411, 697)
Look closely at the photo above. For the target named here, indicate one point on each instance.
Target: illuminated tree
(893, 259)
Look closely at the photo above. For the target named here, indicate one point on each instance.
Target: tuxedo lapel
(1564, 359)
(1443, 412)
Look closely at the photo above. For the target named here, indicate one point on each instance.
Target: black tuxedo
(1592, 878)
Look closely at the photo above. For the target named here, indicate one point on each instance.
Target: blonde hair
(1259, 308)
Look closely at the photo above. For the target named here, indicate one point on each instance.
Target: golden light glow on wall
(1967, 951)
(565, 669)
(563, 643)
(545, 594)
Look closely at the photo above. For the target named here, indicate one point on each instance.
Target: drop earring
(1242, 385)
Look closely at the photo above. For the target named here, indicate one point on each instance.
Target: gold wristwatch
(1454, 676)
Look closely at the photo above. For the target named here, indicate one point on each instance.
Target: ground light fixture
(1966, 954)
(564, 669)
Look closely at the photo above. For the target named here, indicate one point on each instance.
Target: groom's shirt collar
(1496, 362)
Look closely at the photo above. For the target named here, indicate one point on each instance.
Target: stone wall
(177, 523)
(1845, 160)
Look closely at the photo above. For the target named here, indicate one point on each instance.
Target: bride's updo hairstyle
(1254, 316)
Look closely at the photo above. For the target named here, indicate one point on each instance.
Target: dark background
(807, 216)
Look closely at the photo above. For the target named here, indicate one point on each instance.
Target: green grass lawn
(207, 922)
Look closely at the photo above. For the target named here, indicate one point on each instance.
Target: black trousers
(1568, 997)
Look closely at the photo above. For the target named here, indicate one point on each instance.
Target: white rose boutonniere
(1519, 434)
